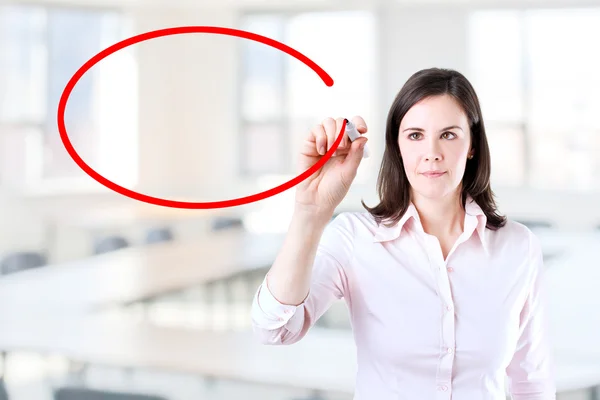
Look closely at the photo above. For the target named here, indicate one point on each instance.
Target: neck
(442, 216)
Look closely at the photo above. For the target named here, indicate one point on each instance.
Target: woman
(446, 296)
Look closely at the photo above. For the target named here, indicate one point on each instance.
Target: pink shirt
(425, 327)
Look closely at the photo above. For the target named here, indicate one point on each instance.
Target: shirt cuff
(271, 313)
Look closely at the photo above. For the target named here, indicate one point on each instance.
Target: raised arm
(308, 273)
(307, 277)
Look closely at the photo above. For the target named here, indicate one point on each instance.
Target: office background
(202, 117)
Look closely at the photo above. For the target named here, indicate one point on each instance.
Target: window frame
(43, 184)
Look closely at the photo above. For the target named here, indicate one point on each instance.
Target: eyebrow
(423, 130)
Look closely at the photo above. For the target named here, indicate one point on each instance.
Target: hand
(323, 191)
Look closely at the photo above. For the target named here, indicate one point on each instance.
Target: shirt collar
(384, 233)
(475, 219)
(474, 215)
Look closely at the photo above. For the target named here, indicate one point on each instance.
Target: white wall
(186, 110)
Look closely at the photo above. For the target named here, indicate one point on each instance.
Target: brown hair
(393, 186)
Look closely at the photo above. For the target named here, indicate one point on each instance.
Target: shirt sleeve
(531, 370)
(276, 323)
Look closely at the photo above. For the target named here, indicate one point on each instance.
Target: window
(497, 75)
(282, 98)
(42, 49)
(539, 92)
(564, 86)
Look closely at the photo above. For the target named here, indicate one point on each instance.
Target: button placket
(437, 264)
(444, 376)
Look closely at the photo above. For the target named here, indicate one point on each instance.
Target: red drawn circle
(184, 204)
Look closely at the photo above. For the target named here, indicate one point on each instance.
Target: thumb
(355, 155)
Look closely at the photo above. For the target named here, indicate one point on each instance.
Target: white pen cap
(353, 134)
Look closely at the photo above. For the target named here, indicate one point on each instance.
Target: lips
(433, 174)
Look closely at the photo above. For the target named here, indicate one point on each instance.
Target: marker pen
(353, 134)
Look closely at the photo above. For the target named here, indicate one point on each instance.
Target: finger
(315, 138)
(320, 139)
(354, 157)
(360, 124)
(339, 122)
(338, 128)
(345, 143)
(330, 130)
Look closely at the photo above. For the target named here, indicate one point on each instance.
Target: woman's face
(435, 141)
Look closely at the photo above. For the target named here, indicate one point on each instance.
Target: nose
(433, 152)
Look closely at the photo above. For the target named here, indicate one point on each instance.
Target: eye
(445, 135)
(411, 136)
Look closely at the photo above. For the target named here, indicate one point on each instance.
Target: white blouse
(426, 328)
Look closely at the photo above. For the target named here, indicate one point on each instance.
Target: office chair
(110, 243)
(315, 395)
(158, 235)
(21, 261)
(3, 393)
(72, 393)
(222, 223)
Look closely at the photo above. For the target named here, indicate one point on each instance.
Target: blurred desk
(136, 273)
(122, 215)
(324, 361)
(573, 296)
(559, 245)
(98, 220)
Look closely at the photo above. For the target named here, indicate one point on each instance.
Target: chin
(433, 195)
(434, 192)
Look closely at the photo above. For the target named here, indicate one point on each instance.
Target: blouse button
(444, 388)
(450, 269)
